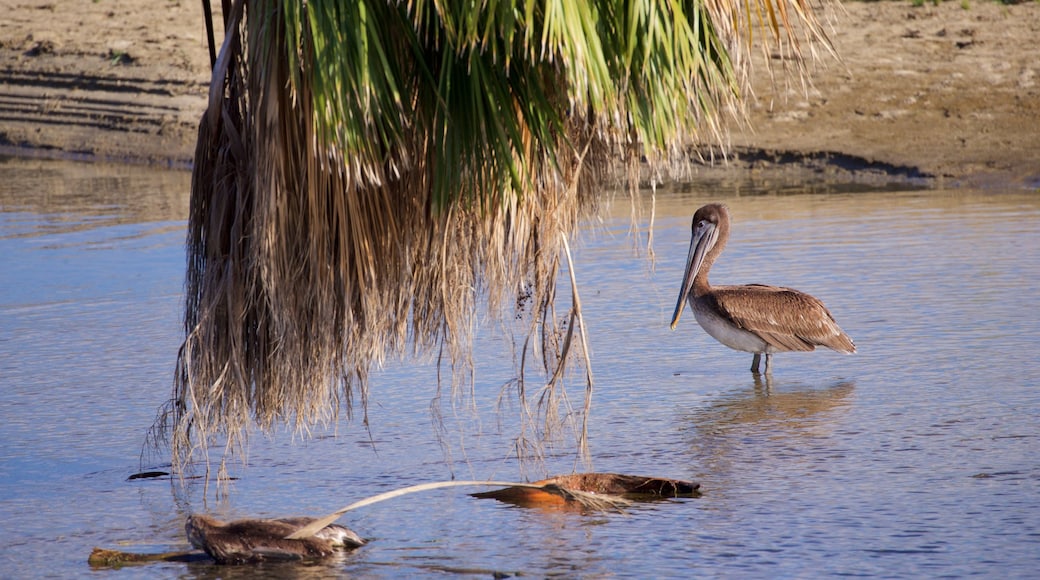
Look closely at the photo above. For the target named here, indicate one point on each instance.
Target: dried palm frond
(585, 499)
(629, 487)
(369, 172)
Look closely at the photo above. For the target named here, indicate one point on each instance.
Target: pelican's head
(708, 223)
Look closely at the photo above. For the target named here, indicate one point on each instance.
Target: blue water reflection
(916, 457)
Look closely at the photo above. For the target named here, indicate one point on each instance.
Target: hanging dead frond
(369, 173)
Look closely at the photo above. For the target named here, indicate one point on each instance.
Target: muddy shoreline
(945, 94)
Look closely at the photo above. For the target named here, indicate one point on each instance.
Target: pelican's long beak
(704, 236)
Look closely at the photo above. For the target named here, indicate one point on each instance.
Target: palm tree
(372, 173)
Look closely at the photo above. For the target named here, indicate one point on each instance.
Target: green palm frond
(370, 170)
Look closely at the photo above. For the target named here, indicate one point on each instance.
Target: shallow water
(916, 457)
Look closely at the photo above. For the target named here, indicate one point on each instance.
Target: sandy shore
(949, 93)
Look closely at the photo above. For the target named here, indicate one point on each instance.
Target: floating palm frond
(369, 172)
(307, 538)
(585, 499)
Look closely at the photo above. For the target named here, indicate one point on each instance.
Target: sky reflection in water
(914, 457)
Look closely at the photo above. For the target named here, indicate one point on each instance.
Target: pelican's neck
(701, 286)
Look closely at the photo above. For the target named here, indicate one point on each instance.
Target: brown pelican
(260, 540)
(753, 317)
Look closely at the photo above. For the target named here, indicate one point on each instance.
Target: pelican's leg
(754, 363)
(769, 363)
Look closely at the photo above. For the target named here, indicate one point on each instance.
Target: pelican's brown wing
(785, 318)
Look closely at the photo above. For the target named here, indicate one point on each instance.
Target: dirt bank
(948, 92)
(110, 79)
(944, 91)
